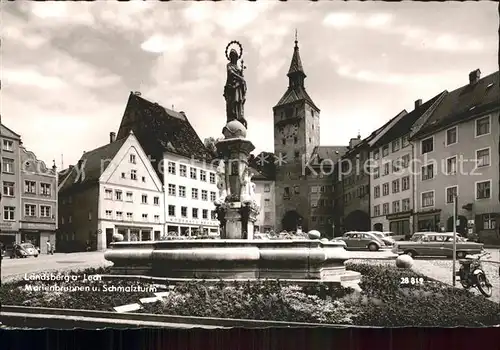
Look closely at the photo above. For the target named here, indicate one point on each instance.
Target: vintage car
(436, 244)
(388, 240)
(23, 250)
(361, 240)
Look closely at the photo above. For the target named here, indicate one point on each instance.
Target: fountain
(236, 255)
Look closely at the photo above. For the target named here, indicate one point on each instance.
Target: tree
(210, 145)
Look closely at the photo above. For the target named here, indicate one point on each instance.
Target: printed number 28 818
(411, 280)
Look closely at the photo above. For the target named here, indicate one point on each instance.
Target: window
(144, 217)
(385, 209)
(427, 145)
(387, 167)
(183, 170)
(109, 214)
(286, 192)
(376, 210)
(376, 154)
(385, 151)
(404, 141)
(313, 218)
(405, 204)
(29, 186)
(144, 179)
(171, 210)
(451, 193)
(118, 195)
(8, 166)
(212, 178)
(405, 183)
(108, 194)
(194, 193)
(376, 191)
(482, 126)
(8, 189)
(295, 140)
(212, 196)
(119, 215)
(283, 141)
(267, 216)
(267, 188)
(172, 190)
(124, 175)
(193, 173)
(130, 216)
(133, 174)
(132, 158)
(428, 172)
(396, 145)
(90, 216)
(314, 189)
(70, 219)
(203, 175)
(296, 189)
(182, 191)
(483, 157)
(156, 200)
(451, 165)
(45, 211)
(267, 203)
(184, 212)
(8, 145)
(129, 197)
(194, 212)
(171, 168)
(405, 161)
(144, 199)
(483, 189)
(451, 136)
(396, 166)
(314, 203)
(8, 213)
(395, 186)
(396, 207)
(204, 214)
(213, 215)
(385, 189)
(376, 173)
(427, 199)
(45, 189)
(30, 210)
(489, 222)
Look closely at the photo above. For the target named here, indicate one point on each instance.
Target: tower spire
(296, 73)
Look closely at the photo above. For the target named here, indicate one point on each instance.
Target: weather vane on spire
(296, 40)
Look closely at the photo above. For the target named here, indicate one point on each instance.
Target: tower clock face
(289, 130)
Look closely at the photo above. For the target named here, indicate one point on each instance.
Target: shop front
(429, 221)
(400, 223)
(191, 227)
(9, 234)
(39, 234)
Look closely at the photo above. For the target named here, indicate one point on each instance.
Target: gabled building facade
(264, 195)
(182, 162)
(457, 147)
(29, 195)
(392, 175)
(112, 189)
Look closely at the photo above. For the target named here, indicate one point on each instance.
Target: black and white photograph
(249, 164)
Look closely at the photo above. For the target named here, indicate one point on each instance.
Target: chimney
(418, 103)
(474, 76)
(112, 137)
(354, 142)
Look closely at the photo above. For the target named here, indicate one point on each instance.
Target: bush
(431, 304)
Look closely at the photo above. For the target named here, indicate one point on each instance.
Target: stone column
(189, 231)
(178, 231)
(140, 235)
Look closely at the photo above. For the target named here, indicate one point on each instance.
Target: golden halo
(239, 46)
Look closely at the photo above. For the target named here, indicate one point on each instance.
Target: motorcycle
(471, 274)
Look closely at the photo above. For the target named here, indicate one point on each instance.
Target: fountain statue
(237, 254)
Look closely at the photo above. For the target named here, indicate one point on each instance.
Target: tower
(296, 134)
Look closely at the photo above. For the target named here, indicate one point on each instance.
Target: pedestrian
(49, 248)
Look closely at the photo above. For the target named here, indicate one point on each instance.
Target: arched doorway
(462, 228)
(357, 220)
(378, 227)
(291, 220)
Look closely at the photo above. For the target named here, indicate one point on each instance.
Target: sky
(68, 67)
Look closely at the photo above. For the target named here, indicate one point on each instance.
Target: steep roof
(6, 132)
(296, 63)
(296, 94)
(333, 153)
(92, 164)
(466, 102)
(160, 129)
(258, 175)
(403, 125)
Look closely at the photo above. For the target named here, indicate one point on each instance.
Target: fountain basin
(232, 259)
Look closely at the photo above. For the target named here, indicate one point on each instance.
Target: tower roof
(296, 64)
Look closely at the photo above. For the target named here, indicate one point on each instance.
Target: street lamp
(455, 209)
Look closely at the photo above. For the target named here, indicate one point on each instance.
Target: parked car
(436, 245)
(22, 250)
(388, 240)
(361, 240)
(395, 236)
